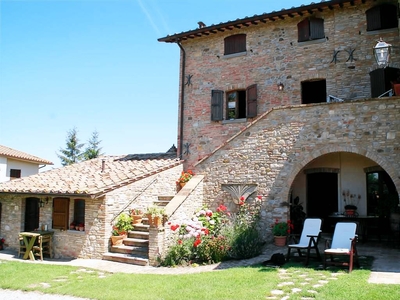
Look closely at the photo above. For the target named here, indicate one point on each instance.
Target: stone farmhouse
(284, 105)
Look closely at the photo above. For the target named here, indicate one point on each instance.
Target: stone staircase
(135, 248)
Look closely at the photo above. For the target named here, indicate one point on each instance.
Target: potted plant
(281, 230)
(81, 226)
(72, 226)
(351, 201)
(184, 178)
(136, 215)
(121, 228)
(155, 215)
(2, 241)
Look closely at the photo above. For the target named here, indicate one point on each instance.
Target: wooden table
(361, 220)
(29, 239)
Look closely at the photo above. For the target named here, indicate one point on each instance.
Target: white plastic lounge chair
(343, 244)
(308, 239)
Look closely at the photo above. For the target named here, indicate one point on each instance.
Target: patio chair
(22, 246)
(343, 245)
(43, 246)
(308, 239)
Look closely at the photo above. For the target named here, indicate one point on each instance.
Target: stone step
(138, 235)
(126, 258)
(136, 242)
(141, 227)
(165, 198)
(137, 251)
(161, 203)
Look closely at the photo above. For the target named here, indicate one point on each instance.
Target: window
(79, 211)
(235, 44)
(240, 104)
(381, 17)
(60, 213)
(310, 29)
(14, 173)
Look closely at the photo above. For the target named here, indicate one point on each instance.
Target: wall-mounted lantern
(280, 87)
(382, 53)
(43, 202)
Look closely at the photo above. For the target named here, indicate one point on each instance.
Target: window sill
(75, 231)
(235, 54)
(234, 121)
(380, 31)
(312, 42)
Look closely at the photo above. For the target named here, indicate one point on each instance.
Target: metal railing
(390, 92)
(331, 98)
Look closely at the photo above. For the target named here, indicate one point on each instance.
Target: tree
(93, 149)
(72, 154)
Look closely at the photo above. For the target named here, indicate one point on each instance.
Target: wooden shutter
(235, 44)
(303, 30)
(251, 93)
(381, 17)
(316, 28)
(60, 213)
(217, 101)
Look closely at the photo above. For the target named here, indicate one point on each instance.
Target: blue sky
(97, 66)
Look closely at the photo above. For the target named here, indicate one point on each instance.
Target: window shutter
(317, 28)
(235, 44)
(217, 101)
(60, 213)
(251, 93)
(303, 30)
(373, 18)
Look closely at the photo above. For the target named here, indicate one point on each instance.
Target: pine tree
(72, 154)
(93, 149)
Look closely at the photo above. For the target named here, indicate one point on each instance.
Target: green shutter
(217, 100)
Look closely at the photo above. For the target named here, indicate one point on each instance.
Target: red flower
(174, 227)
(259, 197)
(221, 208)
(196, 242)
(205, 230)
(209, 213)
(180, 242)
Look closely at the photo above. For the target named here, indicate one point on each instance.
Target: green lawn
(255, 282)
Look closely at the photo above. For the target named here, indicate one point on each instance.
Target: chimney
(103, 165)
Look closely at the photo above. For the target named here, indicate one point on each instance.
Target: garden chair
(22, 246)
(308, 239)
(343, 245)
(43, 246)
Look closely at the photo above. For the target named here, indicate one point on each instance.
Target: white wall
(351, 177)
(26, 168)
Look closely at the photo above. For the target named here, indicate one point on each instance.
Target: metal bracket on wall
(238, 191)
(186, 147)
(188, 80)
(335, 53)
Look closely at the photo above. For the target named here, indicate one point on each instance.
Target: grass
(256, 282)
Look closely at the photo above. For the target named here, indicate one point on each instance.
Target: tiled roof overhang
(303, 10)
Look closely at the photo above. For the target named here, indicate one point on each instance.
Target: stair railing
(130, 202)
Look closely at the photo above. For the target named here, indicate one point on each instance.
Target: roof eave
(255, 20)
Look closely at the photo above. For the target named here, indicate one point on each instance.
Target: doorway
(31, 214)
(322, 196)
(313, 91)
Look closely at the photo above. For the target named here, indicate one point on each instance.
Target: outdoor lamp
(382, 53)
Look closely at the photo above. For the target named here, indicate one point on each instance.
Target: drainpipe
(180, 154)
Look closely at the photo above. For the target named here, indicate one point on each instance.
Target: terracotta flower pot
(280, 241)
(136, 219)
(117, 239)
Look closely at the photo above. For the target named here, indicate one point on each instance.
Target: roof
(95, 177)
(19, 155)
(303, 10)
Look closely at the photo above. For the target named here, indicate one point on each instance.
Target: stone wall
(274, 56)
(272, 151)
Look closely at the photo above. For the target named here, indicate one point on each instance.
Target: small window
(382, 17)
(235, 44)
(79, 211)
(60, 213)
(14, 173)
(240, 104)
(310, 29)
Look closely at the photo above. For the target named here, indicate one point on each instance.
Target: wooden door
(31, 214)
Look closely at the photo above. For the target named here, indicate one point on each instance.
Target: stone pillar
(156, 244)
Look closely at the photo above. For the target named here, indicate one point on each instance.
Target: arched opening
(327, 184)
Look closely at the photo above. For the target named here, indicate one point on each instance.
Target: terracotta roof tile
(19, 155)
(89, 178)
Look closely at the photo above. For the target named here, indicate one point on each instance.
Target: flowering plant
(350, 200)
(123, 225)
(136, 212)
(2, 241)
(282, 228)
(185, 177)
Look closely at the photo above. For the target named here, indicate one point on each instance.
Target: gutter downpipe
(182, 100)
